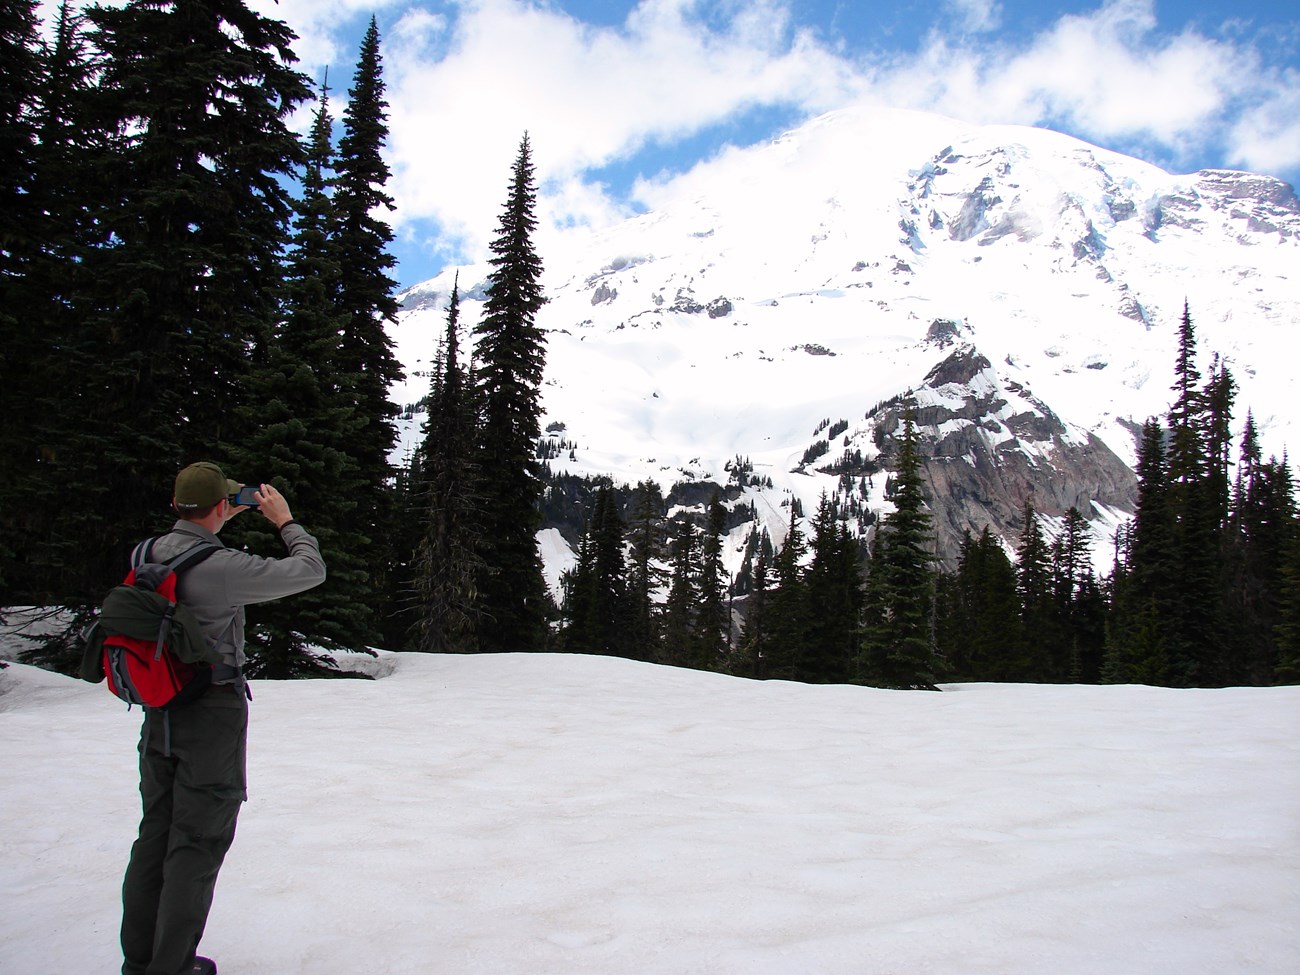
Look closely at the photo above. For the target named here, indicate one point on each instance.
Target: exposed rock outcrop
(986, 445)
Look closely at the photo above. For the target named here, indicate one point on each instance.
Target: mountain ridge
(817, 276)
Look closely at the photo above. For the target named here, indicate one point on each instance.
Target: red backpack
(149, 646)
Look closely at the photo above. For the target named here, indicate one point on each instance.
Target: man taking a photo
(192, 759)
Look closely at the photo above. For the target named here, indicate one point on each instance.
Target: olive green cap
(201, 485)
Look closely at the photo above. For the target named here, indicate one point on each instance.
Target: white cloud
(317, 24)
(975, 16)
(466, 78)
(1108, 76)
(460, 99)
(1267, 136)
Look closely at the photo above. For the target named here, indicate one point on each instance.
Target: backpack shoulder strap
(192, 556)
(142, 552)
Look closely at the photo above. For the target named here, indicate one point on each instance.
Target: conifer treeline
(169, 297)
(1203, 590)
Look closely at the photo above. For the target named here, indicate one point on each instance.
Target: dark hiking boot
(203, 966)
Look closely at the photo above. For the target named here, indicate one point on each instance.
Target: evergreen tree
(1287, 630)
(786, 615)
(195, 95)
(597, 609)
(1263, 511)
(1039, 656)
(834, 599)
(647, 541)
(20, 81)
(444, 485)
(749, 660)
(1142, 601)
(679, 611)
(20, 67)
(713, 619)
(1198, 501)
(365, 360)
(45, 176)
(981, 613)
(899, 644)
(1078, 604)
(304, 426)
(511, 357)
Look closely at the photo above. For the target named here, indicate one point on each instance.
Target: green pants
(191, 799)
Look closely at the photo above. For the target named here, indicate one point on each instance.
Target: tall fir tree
(510, 358)
(1038, 657)
(712, 637)
(899, 643)
(834, 600)
(1286, 632)
(1262, 514)
(30, 313)
(444, 485)
(304, 426)
(647, 540)
(751, 653)
(785, 620)
(1079, 609)
(597, 609)
(365, 361)
(20, 67)
(980, 614)
(680, 606)
(1196, 655)
(1142, 587)
(195, 97)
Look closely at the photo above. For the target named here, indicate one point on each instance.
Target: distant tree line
(1204, 588)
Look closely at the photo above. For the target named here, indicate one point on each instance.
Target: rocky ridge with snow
(1018, 289)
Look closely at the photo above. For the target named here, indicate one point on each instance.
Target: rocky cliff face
(986, 446)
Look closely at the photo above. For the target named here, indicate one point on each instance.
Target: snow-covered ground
(539, 814)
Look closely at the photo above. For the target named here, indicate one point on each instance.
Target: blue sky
(620, 97)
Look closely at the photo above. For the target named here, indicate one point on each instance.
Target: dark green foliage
(25, 349)
(647, 540)
(1199, 588)
(784, 621)
(597, 610)
(1198, 500)
(510, 359)
(1286, 632)
(980, 614)
(1078, 604)
(834, 600)
(679, 612)
(364, 360)
(46, 233)
(1039, 656)
(304, 425)
(173, 138)
(1144, 576)
(443, 488)
(898, 647)
(1262, 521)
(713, 620)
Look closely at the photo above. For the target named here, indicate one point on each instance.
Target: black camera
(244, 496)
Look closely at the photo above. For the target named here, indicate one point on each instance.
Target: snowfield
(535, 814)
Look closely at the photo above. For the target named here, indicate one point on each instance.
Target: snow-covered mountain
(1019, 288)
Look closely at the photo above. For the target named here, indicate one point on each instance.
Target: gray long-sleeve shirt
(218, 588)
